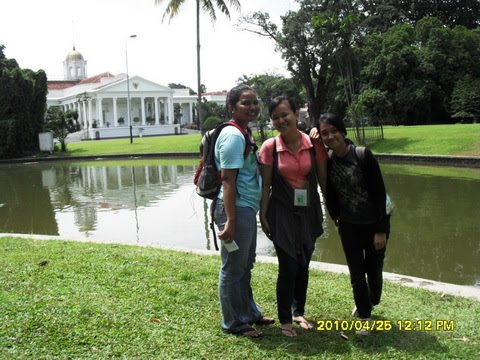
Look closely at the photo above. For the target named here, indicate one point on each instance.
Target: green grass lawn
(71, 300)
(459, 139)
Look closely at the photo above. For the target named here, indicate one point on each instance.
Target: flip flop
(288, 331)
(264, 321)
(304, 324)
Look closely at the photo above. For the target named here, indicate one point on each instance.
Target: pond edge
(445, 160)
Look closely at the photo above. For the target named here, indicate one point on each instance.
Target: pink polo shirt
(293, 167)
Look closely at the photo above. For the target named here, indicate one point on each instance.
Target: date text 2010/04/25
(386, 325)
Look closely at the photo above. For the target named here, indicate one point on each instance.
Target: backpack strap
(360, 154)
(249, 144)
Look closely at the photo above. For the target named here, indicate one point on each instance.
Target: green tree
(311, 41)
(465, 101)
(268, 86)
(208, 6)
(22, 107)
(211, 108)
(383, 14)
(61, 124)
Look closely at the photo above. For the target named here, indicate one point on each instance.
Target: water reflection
(435, 230)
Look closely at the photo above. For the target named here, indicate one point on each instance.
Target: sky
(39, 35)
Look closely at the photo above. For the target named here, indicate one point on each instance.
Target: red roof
(96, 78)
(63, 84)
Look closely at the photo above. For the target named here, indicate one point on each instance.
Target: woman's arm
(267, 173)
(376, 188)
(229, 179)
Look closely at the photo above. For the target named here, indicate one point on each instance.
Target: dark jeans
(362, 258)
(292, 283)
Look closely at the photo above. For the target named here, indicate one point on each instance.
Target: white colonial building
(101, 102)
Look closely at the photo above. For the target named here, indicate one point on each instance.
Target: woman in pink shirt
(290, 211)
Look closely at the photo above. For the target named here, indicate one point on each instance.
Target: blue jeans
(234, 288)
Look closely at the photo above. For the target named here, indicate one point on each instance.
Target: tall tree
(22, 107)
(208, 6)
(309, 42)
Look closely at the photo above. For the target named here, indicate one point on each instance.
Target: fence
(367, 134)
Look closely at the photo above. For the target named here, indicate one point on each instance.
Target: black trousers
(363, 260)
(292, 284)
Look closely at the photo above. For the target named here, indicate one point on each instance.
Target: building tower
(74, 66)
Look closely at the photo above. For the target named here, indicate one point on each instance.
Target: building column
(165, 114)
(156, 111)
(100, 112)
(170, 110)
(115, 114)
(190, 108)
(143, 122)
(84, 115)
(89, 117)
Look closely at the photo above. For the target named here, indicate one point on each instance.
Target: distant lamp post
(129, 110)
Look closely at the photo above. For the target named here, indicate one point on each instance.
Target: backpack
(207, 177)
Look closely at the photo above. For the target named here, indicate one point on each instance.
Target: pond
(435, 226)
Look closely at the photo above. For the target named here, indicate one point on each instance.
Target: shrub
(211, 122)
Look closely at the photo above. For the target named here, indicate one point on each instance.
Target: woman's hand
(314, 134)
(266, 227)
(379, 241)
(228, 233)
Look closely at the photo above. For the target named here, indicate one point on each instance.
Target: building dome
(74, 66)
(74, 55)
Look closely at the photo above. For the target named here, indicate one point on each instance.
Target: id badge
(300, 197)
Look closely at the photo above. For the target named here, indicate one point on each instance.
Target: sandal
(263, 321)
(288, 331)
(304, 324)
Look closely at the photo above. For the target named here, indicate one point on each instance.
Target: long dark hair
(334, 120)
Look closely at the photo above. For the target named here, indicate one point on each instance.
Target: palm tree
(208, 7)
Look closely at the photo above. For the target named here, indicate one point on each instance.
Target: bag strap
(360, 154)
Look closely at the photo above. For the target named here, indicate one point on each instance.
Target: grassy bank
(427, 140)
(459, 139)
(79, 300)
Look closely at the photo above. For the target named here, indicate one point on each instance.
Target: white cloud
(40, 34)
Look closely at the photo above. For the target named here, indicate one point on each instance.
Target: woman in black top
(356, 200)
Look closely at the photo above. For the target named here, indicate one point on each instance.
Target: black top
(356, 192)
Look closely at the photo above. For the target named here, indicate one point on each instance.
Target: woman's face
(283, 118)
(247, 107)
(331, 136)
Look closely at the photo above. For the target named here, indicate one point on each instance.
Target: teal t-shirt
(229, 150)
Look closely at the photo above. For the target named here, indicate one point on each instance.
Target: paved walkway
(471, 292)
